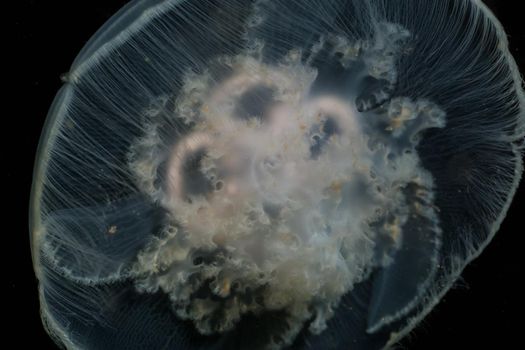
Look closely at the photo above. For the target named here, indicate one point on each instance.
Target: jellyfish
(271, 174)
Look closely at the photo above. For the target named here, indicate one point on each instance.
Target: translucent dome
(268, 174)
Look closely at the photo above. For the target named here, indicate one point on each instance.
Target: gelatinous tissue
(272, 174)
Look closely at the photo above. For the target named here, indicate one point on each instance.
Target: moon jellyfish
(270, 174)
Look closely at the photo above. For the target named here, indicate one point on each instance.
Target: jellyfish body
(271, 174)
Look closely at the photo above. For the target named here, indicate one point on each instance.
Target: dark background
(485, 309)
